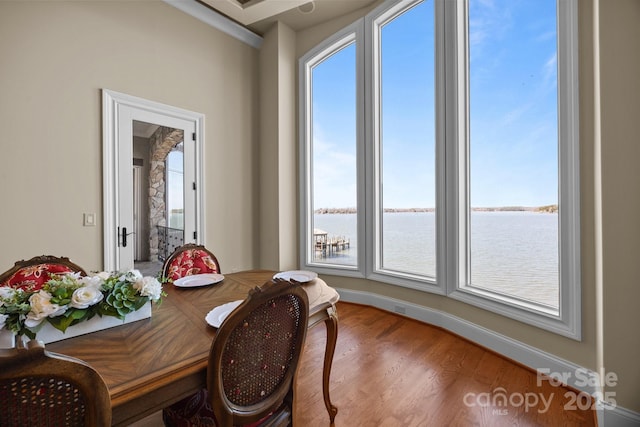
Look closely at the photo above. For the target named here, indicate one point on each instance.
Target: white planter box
(49, 334)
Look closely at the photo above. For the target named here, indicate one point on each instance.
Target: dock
(326, 246)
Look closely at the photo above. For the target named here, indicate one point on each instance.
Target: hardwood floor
(389, 370)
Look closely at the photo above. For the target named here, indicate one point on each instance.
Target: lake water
(515, 253)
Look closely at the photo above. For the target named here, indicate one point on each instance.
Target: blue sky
(513, 110)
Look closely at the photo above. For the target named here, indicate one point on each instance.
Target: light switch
(89, 220)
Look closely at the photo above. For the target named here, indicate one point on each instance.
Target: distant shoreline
(539, 209)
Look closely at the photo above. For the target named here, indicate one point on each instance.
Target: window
(332, 171)
(405, 117)
(513, 147)
(175, 187)
(334, 154)
(464, 169)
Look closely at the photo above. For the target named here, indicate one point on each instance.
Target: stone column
(161, 143)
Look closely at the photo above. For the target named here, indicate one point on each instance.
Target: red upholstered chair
(43, 389)
(32, 274)
(252, 363)
(190, 259)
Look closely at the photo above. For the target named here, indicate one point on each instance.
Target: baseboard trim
(618, 417)
(515, 350)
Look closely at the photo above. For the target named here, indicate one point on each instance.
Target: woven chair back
(255, 353)
(43, 389)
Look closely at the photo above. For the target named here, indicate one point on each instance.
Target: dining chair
(33, 273)
(190, 259)
(252, 363)
(43, 389)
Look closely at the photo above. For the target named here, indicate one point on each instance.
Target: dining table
(152, 363)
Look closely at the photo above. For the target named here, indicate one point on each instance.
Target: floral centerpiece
(68, 299)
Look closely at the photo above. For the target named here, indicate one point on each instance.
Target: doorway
(152, 177)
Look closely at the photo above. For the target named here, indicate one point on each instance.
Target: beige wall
(610, 294)
(620, 145)
(55, 59)
(278, 150)
(56, 56)
(268, 160)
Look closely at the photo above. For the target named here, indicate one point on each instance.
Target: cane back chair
(43, 389)
(252, 363)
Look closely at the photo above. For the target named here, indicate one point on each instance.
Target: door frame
(111, 121)
(137, 212)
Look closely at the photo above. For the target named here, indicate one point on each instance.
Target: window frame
(373, 23)
(343, 38)
(567, 320)
(452, 152)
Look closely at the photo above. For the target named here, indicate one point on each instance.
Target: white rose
(149, 287)
(86, 296)
(42, 307)
(3, 318)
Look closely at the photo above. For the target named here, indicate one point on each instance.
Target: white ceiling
(259, 15)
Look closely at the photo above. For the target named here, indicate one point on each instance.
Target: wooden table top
(151, 363)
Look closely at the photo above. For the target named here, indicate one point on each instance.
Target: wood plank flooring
(389, 370)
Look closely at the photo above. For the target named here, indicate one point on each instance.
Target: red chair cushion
(33, 277)
(194, 411)
(190, 262)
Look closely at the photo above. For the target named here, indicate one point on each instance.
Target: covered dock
(326, 246)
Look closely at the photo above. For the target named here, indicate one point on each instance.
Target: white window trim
(351, 34)
(374, 21)
(451, 166)
(566, 321)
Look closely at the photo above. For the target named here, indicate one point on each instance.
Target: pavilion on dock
(326, 246)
